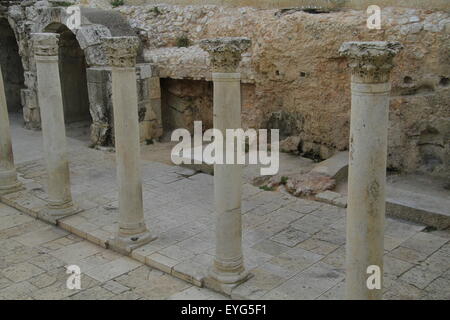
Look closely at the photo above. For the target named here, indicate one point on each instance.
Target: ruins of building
(293, 79)
(85, 78)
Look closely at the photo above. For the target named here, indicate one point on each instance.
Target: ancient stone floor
(293, 247)
(34, 256)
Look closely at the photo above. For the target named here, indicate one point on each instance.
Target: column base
(52, 213)
(225, 282)
(238, 275)
(126, 244)
(9, 182)
(12, 188)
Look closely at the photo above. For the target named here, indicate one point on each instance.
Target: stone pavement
(293, 247)
(34, 256)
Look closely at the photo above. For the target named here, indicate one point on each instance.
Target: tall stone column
(370, 63)
(121, 53)
(53, 128)
(225, 54)
(8, 175)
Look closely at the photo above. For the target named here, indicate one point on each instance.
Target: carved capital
(45, 44)
(225, 53)
(121, 51)
(370, 62)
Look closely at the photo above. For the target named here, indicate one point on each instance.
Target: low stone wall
(301, 82)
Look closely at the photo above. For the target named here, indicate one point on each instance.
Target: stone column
(370, 63)
(225, 54)
(121, 54)
(8, 175)
(53, 128)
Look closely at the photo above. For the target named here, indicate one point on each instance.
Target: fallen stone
(290, 144)
(335, 167)
(309, 184)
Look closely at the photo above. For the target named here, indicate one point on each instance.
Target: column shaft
(371, 63)
(228, 181)
(53, 128)
(132, 232)
(8, 175)
(225, 56)
(126, 129)
(366, 186)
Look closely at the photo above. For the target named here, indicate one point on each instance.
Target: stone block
(190, 271)
(112, 269)
(90, 35)
(147, 70)
(41, 236)
(161, 262)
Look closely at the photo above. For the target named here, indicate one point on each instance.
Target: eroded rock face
(296, 68)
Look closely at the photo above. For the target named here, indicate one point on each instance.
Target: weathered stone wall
(302, 84)
(270, 4)
(185, 101)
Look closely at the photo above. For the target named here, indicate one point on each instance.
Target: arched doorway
(72, 71)
(11, 65)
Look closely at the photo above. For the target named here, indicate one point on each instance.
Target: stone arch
(12, 68)
(94, 26)
(72, 72)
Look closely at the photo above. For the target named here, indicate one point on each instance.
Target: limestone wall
(301, 83)
(270, 4)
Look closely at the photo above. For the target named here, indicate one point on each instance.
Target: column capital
(121, 51)
(45, 44)
(370, 62)
(225, 52)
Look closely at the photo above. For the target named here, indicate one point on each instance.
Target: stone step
(416, 198)
(418, 207)
(335, 166)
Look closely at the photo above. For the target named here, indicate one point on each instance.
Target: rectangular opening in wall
(184, 101)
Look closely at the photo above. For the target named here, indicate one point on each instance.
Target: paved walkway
(293, 247)
(34, 256)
